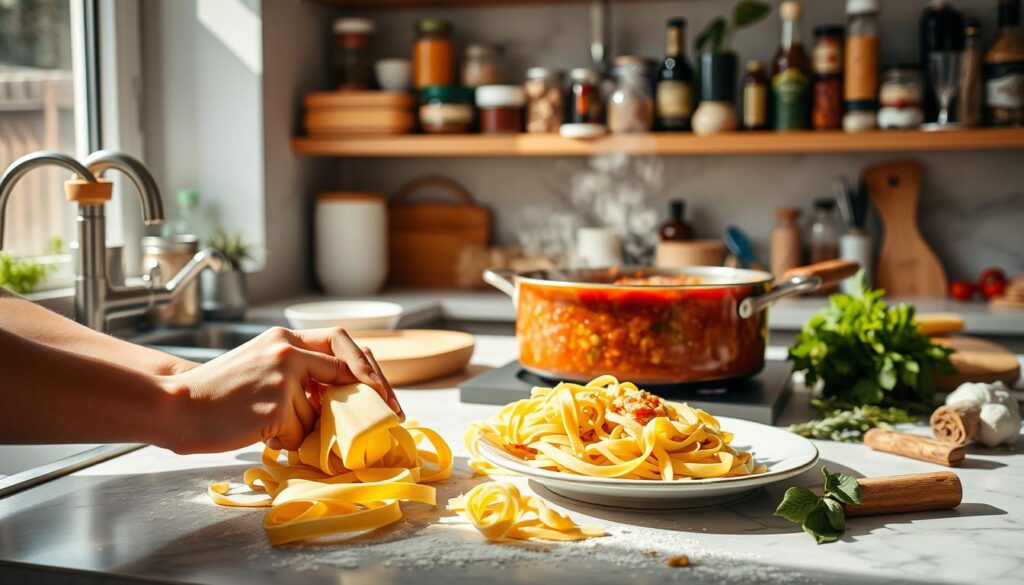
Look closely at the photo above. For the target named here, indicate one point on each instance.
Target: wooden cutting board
(425, 239)
(977, 360)
(411, 356)
(907, 266)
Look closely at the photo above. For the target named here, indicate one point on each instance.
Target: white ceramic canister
(351, 244)
(855, 245)
(599, 247)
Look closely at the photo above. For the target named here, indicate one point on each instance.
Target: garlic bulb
(1000, 414)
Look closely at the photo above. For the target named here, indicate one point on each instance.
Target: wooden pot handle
(444, 183)
(830, 271)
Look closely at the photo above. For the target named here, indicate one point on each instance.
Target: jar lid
(629, 61)
(447, 94)
(434, 25)
(861, 106)
(829, 30)
(587, 74)
(754, 65)
(861, 6)
(335, 196)
(787, 212)
(825, 203)
(500, 96)
(350, 26)
(789, 10)
(482, 50)
(901, 67)
(544, 73)
(972, 27)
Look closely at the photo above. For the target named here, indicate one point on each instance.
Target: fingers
(390, 398)
(293, 430)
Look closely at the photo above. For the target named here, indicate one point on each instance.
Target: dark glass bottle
(941, 29)
(1004, 70)
(791, 75)
(755, 97)
(675, 227)
(674, 95)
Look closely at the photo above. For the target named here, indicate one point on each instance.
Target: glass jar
(446, 109)
(824, 232)
(433, 54)
(501, 108)
(481, 65)
(544, 99)
(900, 98)
(353, 68)
(827, 66)
(631, 105)
(584, 99)
(861, 54)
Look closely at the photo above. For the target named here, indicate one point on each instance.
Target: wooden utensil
(899, 494)
(425, 239)
(977, 360)
(915, 447)
(411, 356)
(907, 266)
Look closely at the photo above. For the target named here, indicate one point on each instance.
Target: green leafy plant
(867, 352)
(22, 275)
(849, 425)
(717, 35)
(235, 249)
(823, 517)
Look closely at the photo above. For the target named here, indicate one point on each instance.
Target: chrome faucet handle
(23, 165)
(152, 204)
(154, 276)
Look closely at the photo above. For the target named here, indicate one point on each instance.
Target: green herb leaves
(849, 425)
(716, 36)
(821, 517)
(869, 353)
(22, 275)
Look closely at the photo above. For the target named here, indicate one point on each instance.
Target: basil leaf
(797, 504)
(711, 38)
(818, 526)
(748, 13)
(842, 487)
(836, 514)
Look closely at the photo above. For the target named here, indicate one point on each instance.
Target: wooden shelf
(669, 143)
(386, 4)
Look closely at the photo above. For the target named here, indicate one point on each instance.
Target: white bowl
(352, 315)
(394, 74)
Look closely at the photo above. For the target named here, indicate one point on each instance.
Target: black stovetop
(759, 398)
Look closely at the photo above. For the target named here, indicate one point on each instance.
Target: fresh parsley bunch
(822, 517)
(867, 352)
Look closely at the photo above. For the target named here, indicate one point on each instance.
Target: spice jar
(900, 98)
(755, 97)
(827, 110)
(446, 109)
(860, 74)
(584, 104)
(544, 99)
(353, 68)
(481, 65)
(501, 108)
(433, 54)
(631, 105)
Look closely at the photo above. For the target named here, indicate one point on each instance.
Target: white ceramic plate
(785, 454)
(352, 315)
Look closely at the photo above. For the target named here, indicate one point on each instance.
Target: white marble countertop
(424, 306)
(145, 517)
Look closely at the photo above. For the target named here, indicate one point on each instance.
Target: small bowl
(394, 74)
(352, 315)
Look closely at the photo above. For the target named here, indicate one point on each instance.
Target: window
(37, 112)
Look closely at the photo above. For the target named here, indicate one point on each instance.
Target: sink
(201, 344)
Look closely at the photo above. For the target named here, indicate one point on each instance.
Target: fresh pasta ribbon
(610, 429)
(499, 511)
(350, 474)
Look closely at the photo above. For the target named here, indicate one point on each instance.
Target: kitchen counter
(145, 516)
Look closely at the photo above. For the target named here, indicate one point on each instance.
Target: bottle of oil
(791, 74)
(1004, 70)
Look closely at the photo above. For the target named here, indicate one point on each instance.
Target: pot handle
(800, 280)
(501, 279)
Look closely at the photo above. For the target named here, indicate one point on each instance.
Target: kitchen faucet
(96, 300)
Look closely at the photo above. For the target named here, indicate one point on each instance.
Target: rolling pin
(898, 494)
(923, 448)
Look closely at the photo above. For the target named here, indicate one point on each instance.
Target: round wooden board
(977, 360)
(412, 356)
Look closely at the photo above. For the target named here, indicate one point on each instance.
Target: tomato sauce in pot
(653, 329)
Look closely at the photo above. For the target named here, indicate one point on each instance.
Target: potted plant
(718, 67)
(224, 291)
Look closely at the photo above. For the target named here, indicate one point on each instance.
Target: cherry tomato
(991, 275)
(961, 290)
(993, 288)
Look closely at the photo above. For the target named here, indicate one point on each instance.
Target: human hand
(266, 390)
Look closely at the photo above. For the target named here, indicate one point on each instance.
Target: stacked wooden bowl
(353, 112)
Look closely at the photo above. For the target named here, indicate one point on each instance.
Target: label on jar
(755, 106)
(861, 81)
(1004, 85)
(674, 99)
(826, 57)
(790, 93)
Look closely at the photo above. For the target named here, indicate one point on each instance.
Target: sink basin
(200, 344)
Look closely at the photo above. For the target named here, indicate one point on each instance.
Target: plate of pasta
(614, 444)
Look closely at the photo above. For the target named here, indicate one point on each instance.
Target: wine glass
(944, 70)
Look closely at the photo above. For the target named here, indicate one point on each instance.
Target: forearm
(28, 320)
(50, 395)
